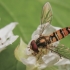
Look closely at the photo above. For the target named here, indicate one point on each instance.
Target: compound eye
(34, 46)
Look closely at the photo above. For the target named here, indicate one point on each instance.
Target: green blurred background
(27, 13)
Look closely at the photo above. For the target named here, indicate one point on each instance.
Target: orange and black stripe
(59, 34)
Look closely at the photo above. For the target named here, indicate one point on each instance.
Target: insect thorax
(42, 41)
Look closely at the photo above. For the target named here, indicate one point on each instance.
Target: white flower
(6, 35)
(24, 54)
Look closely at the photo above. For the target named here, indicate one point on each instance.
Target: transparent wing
(46, 13)
(63, 51)
(45, 20)
(46, 17)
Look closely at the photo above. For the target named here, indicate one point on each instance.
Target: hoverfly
(45, 41)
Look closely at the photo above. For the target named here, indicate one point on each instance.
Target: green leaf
(27, 13)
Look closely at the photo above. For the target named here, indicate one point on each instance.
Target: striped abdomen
(59, 34)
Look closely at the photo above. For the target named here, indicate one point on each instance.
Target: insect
(45, 41)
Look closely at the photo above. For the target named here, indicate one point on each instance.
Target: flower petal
(49, 30)
(31, 60)
(6, 35)
(42, 66)
(57, 28)
(8, 42)
(55, 43)
(50, 59)
(20, 51)
(12, 39)
(5, 31)
(63, 61)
